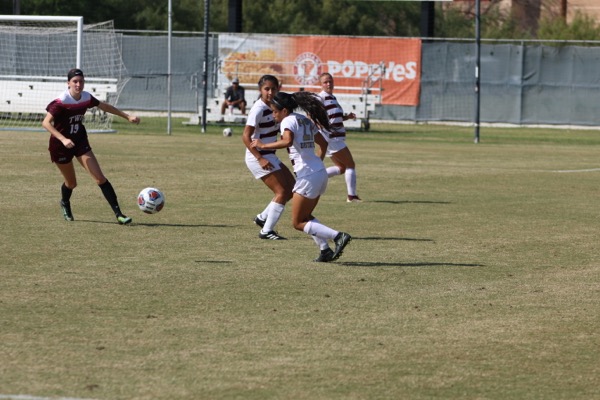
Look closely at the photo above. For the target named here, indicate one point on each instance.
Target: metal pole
(169, 81)
(477, 67)
(205, 65)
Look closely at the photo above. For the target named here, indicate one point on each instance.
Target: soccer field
(474, 272)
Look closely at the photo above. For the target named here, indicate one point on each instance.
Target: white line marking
(565, 171)
(28, 397)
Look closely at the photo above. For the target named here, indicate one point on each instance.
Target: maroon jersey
(68, 114)
(68, 119)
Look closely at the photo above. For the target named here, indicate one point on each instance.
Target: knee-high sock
(275, 211)
(264, 213)
(350, 176)
(110, 196)
(322, 243)
(333, 171)
(318, 229)
(66, 193)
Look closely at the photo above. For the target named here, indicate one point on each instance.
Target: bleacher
(31, 94)
(352, 99)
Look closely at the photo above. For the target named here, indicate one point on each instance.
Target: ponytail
(307, 101)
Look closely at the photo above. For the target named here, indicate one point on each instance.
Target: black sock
(66, 193)
(111, 197)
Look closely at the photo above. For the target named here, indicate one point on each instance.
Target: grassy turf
(474, 272)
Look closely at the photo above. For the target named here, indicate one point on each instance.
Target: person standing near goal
(69, 139)
(264, 164)
(336, 138)
(299, 135)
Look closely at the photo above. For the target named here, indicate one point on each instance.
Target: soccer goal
(37, 53)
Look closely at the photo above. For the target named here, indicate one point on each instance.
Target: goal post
(38, 51)
(58, 20)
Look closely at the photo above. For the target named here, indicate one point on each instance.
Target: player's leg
(90, 163)
(344, 161)
(70, 182)
(278, 183)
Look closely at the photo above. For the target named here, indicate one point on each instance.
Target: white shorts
(257, 170)
(313, 185)
(334, 146)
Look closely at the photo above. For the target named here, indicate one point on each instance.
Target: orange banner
(394, 65)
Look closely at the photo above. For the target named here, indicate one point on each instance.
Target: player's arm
(246, 138)
(348, 116)
(48, 124)
(322, 145)
(287, 138)
(114, 110)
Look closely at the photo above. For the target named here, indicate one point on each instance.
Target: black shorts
(61, 155)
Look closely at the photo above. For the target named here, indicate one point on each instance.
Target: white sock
(333, 171)
(318, 229)
(350, 176)
(273, 215)
(265, 213)
(322, 243)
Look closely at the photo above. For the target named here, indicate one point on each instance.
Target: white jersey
(302, 151)
(265, 127)
(336, 118)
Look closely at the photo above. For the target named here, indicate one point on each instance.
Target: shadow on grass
(416, 264)
(159, 224)
(391, 238)
(409, 202)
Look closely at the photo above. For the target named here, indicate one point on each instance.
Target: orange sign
(393, 64)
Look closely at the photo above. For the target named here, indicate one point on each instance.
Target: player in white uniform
(264, 164)
(337, 148)
(299, 135)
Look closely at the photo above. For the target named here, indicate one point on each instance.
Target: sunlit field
(474, 272)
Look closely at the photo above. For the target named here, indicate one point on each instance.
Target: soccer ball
(227, 132)
(151, 200)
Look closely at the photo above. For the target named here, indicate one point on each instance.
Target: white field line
(28, 397)
(567, 171)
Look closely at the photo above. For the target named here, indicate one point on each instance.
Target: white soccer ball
(151, 200)
(227, 132)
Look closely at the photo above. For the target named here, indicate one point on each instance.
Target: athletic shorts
(257, 170)
(334, 146)
(313, 185)
(59, 154)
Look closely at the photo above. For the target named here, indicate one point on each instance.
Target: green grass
(474, 272)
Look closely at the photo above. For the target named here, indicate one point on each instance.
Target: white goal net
(37, 53)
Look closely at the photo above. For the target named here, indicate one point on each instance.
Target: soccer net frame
(37, 53)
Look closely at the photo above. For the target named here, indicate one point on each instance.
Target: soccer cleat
(325, 256)
(123, 220)
(272, 235)
(259, 222)
(341, 240)
(66, 210)
(353, 199)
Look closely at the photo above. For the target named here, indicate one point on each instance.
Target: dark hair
(73, 73)
(267, 78)
(308, 101)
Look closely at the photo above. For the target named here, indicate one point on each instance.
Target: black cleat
(259, 222)
(272, 235)
(66, 210)
(341, 240)
(325, 256)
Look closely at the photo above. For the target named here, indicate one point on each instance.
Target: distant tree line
(322, 17)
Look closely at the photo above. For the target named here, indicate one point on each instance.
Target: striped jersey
(265, 126)
(336, 116)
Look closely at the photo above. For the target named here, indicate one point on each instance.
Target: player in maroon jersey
(69, 139)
